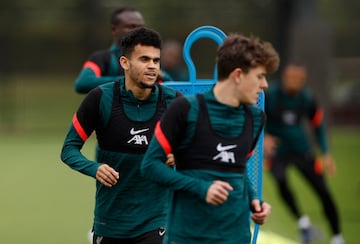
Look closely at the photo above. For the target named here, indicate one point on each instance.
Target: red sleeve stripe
(94, 67)
(318, 167)
(164, 143)
(81, 132)
(250, 154)
(318, 118)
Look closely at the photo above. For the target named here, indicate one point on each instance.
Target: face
(143, 67)
(293, 78)
(170, 55)
(251, 84)
(127, 21)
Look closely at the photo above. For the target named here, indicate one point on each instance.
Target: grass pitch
(44, 201)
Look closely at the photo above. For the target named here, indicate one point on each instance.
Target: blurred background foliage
(56, 36)
(53, 38)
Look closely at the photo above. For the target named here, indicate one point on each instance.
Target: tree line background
(41, 37)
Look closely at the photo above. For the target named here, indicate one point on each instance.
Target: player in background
(289, 105)
(172, 62)
(103, 65)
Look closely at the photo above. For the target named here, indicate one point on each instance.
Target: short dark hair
(114, 20)
(238, 51)
(143, 36)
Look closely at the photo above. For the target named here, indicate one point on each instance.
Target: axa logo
(224, 155)
(138, 138)
(289, 117)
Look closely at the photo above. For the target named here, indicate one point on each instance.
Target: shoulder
(107, 91)
(256, 112)
(103, 53)
(309, 99)
(307, 94)
(169, 92)
(180, 106)
(106, 87)
(273, 88)
(181, 102)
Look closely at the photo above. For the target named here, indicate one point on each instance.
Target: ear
(124, 62)
(113, 29)
(236, 74)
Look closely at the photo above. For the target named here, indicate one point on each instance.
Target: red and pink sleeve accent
(163, 141)
(79, 129)
(318, 117)
(250, 154)
(94, 67)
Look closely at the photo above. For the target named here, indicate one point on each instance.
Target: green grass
(44, 201)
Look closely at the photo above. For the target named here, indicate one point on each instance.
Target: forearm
(72, 156)
(321, 137)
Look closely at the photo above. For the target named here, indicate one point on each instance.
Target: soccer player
(288, 104)
(103, 65)
(171, 60)
(128, 208)
(212, 135)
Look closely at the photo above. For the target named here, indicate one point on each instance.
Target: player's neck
(138, 92)
(225, 94)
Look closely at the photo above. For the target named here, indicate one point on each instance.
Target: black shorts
(151, 237)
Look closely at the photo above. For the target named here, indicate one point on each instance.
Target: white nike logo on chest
(135, 132)
(221, 148)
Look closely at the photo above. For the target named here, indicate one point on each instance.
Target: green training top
(191, 219)
(134, 205)
(286, 115)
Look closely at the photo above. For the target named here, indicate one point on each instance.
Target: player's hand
(170, 161)
(261, 212)
(218, 192)
(329, 164)
(270, 145)
(107, 175)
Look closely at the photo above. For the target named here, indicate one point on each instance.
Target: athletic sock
(304, 222)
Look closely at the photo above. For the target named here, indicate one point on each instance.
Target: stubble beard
(144, 85)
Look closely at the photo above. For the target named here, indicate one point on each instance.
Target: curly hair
(238, 51)
(142, 36)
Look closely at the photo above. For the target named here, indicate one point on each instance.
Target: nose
(264, 84)
(151, 64)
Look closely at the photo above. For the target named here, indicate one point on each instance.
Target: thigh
(309, 169)
(151, 237)
(278, 167)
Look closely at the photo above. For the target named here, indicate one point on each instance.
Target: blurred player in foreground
(212, 136)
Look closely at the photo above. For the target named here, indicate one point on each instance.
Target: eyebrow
(148, 57)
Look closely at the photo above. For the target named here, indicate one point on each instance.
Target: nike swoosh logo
(161, 232)
(221, 148)
(134, 132)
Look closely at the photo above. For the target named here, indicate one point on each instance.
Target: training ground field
(42, 201)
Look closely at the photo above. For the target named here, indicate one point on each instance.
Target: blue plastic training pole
(194, 86)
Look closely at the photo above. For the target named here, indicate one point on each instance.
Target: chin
(147, 84)
(253, 101)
